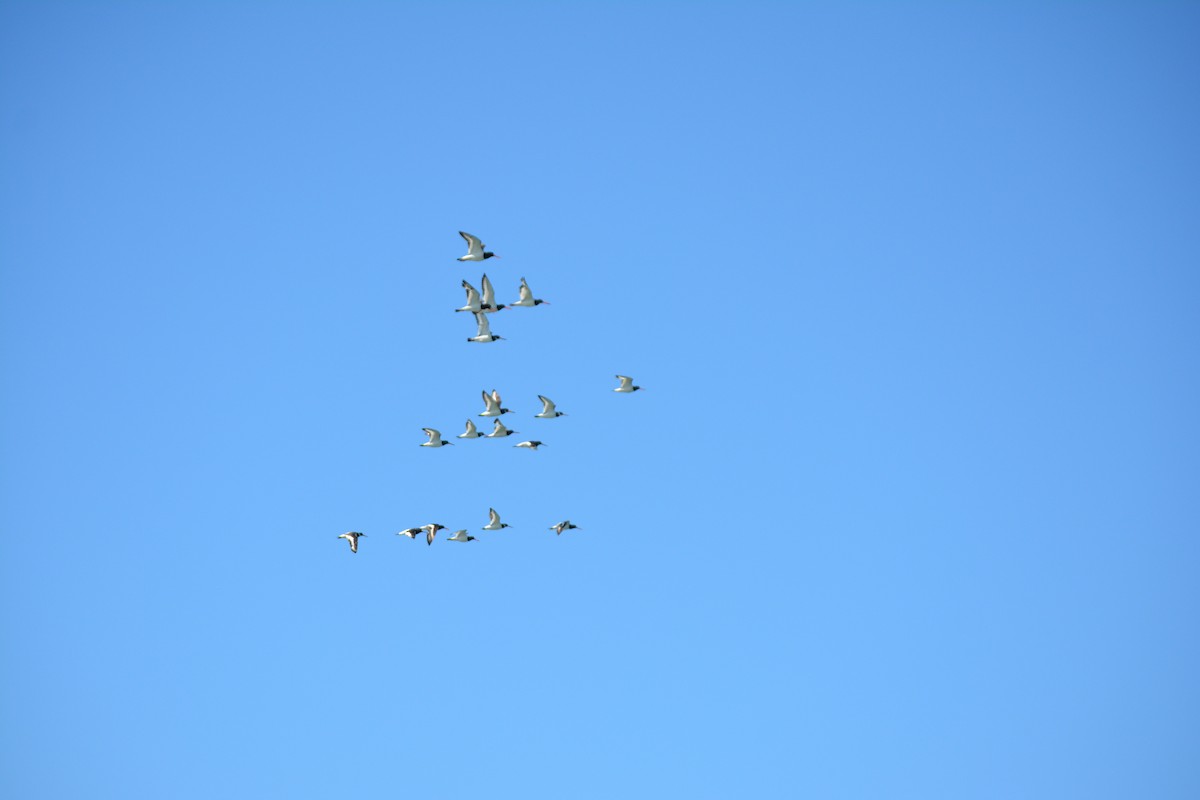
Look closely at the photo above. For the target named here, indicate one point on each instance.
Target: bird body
(435, 438)
(626, 384)
(461, 536)
(548, 411)
(352, 538)
(484, 332)
(499, 431)
(475, 248)
(430, 531)
(494, 523)
(492, 405)
(565, 525)
(527, 299)
(532, 445)
(470, 433)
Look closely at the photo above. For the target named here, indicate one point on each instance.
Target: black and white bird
(484, 333)
(430, 531)
(527, 300)
(626, 384)
(470, 433)
(548, 411)
(435, 438)
(532, 445)
(499, 431)
(474, 301)
(409, 532)
(491, 403)
(565, 525)
(475, 248)
(489, 297)
(352, 538)
(494, 523)
(461, 536)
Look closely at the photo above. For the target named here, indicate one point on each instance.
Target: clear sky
(908, 508)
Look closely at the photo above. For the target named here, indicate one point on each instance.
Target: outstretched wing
(526, 292)
(488, 402)
(474, 245)
(470, 431)
(626, 381)
(472, 294)
(493, 517)
(434, 435)
(485, 330)
(547, 406)
(489, 292)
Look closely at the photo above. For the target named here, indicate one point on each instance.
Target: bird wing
(485, 330)
(429, 535)
(434, 435)
(547, 406)
(489, 403)
(474, 245)
(625, 380)
(470, 428)
(489, 292)
(493, 517)
(498, 427)
(496, 397)
(472, 294)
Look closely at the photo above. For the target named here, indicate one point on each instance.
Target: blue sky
(906, 510)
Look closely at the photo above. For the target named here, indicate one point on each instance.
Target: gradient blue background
(907, 509)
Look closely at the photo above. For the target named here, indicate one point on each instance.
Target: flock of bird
(481, 304)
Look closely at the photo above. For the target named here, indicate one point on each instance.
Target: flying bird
(548, 411)
(499, 431)
(489, 297)
(527, 300)
(410, 533)
(533, 445)
(461, 536)
(494, 523)
(484, 334)
(474, 302)
(565, 525)
(470, 433)
(430, 531)
(626, 384)
(435, 438)
(475, 249)
(352, 538)
(491, 403)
